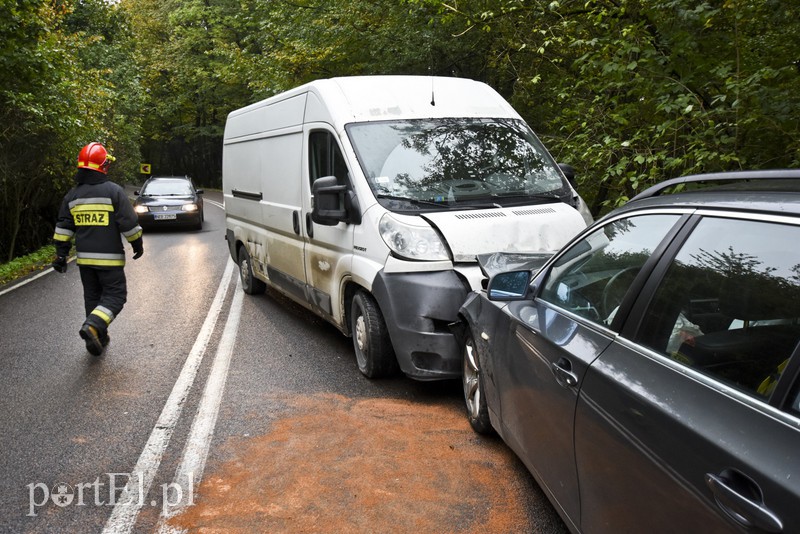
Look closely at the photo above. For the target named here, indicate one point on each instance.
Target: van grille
(533, 211)
(481, 215)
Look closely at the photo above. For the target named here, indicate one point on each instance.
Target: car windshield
(456, 163)
(168, 188)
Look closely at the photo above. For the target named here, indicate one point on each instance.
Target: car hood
(499, 262)
(163, 201)
(524, 229)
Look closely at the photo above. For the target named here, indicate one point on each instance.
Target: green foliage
(635, 91)
(24, 265)
(63, 68)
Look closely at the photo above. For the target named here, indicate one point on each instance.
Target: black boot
(90, 335)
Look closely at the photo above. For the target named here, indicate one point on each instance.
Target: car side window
(592, 276)
(795, 404)
(325, 157)
(729, 304)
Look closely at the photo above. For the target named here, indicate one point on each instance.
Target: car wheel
(374, 352)
(250, 284)
(472, 379)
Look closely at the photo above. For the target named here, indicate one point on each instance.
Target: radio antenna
(430, 66)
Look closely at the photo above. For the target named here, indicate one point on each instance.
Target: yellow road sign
(144, 168)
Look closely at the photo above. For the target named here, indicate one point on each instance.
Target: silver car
(648, 374)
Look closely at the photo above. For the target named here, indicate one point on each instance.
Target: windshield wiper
(523, 198)
(414, 201)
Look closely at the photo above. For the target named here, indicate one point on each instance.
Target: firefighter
(95, 212)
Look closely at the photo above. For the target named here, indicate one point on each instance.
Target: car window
(729, 304)
(795, 405)
(592, 276)
(168, 187)
(325, 157)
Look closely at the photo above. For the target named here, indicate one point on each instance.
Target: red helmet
(94, 156)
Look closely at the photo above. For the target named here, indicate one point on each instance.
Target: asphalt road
(213, 410)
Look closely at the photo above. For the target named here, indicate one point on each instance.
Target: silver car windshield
(440, 163)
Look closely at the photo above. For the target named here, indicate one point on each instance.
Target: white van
(366, 199)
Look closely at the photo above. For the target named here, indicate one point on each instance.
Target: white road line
(126, 509)
(215, 203)
(47, 270)
(190, 470)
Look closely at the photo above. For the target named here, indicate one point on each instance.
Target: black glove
(138, 248)
(60, 264)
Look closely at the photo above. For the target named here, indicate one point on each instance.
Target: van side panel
(262, 158)
(264, 117)
(318, 110)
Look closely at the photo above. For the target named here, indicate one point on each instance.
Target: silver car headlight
(412, 242)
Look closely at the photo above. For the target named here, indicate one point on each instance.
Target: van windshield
(457, 163)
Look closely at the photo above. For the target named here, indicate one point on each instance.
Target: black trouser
(104, 294)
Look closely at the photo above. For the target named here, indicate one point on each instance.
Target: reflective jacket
(95, 213)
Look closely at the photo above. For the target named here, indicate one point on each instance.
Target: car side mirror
(570, 173)
(333, 203)
(511, 285)
(136, 193)
(199, 191)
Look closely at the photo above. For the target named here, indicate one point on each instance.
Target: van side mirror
(333, 203)
(569, 172)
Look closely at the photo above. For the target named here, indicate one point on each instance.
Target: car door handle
(562, 369)
(296, 222)
(740, 507)
(309, 225)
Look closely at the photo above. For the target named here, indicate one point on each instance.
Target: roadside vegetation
(627, 91)
(28, 264)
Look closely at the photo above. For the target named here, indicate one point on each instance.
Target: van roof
(373, 98)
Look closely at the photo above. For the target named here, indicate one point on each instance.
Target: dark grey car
(648, 374)
(166, 201)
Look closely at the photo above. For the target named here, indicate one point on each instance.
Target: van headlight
(412, 242)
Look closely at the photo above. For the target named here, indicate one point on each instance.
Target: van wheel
(250, 284)
(473, 382)
(374, 353)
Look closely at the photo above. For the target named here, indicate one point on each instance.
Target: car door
(551, 340)
(328, 249)
(689, 421)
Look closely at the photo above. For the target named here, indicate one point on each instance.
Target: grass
(24, 265)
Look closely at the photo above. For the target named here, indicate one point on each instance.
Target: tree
(58, 94)
(635, 91)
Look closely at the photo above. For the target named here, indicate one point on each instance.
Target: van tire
(374, 353)
(250, 284)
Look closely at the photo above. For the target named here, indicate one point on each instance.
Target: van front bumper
(417, 308)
